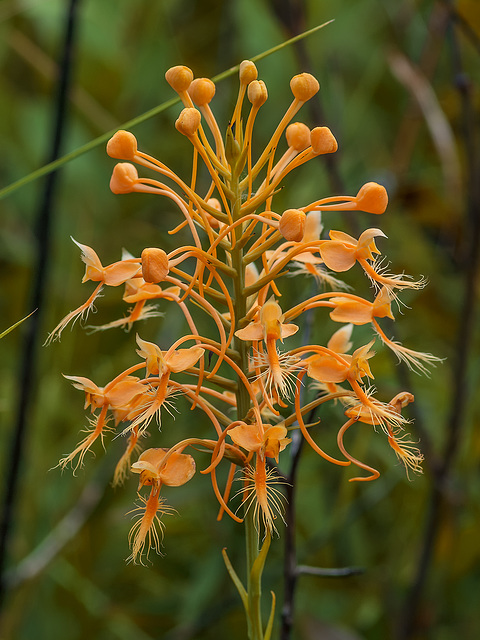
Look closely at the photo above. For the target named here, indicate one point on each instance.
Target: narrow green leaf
(2, 335)
(259, 563)
(268, 630)
(236, 580)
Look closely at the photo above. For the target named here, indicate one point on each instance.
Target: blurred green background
(392, 77)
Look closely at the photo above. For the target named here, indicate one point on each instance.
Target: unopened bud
(122, 145)
(154, 265)
(322, 141)
(247, 72)
(179, 78)
(372, 198)
(124, 178)
(201, 91)
(298, 136)
(214, 203)
(257, 93)
(292, 225)
(304, 86)
(188, 121)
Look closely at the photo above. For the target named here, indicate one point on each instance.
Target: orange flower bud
(122, 145)
(304, 86)
(179, 78)
(214, 203)
(124, 178)
(247, 72)
(188, 121)
(298, 136)
(154, 265)
(292, 225)
(323, 141)
(257, 93)
(201, 91)
(372, 198)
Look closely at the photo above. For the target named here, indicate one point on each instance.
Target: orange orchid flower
(334, 368)
(404, 448)
(117, 396)
(160, 364)
(112, 275)
(259, 490)
(156, 467)
(342, 251)
(270, 328)
(356, 310)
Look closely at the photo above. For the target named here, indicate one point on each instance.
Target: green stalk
(253, 609)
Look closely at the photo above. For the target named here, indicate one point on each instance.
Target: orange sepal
(352, 311)
(246, 436)
(325, 368)
(337, 256)
(288, 330)
(178, 470)
(340, 340)
(253, 331)
(184, 358)
(119, 272)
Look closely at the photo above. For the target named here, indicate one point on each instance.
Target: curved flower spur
(241, 249)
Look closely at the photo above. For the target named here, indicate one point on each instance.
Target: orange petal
(94, 269)
(145, 292)
(366, 243)
(84, 384)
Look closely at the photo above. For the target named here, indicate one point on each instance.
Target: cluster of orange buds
(241, 248)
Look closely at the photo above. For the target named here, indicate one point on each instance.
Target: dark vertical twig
(408, 622)
(43, 226)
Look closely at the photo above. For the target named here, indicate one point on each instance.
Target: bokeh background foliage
(376, 63)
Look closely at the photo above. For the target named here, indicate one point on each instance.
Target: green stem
(254, 616)
(254, 586)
